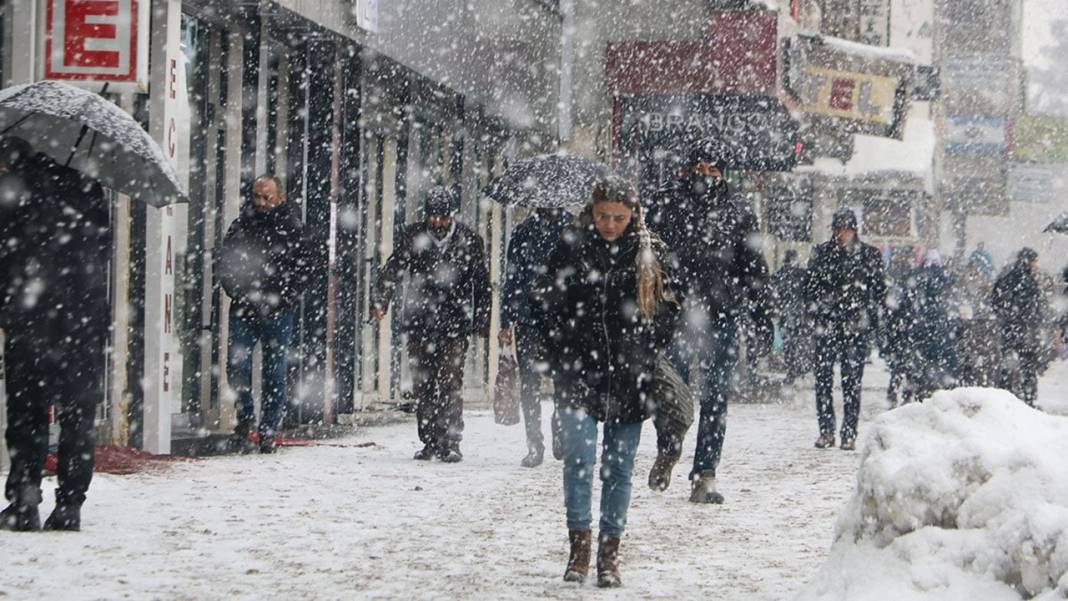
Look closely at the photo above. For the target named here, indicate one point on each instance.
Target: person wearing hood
(446, 300)
(847, 292)
(1022, 312)
(528, 251)
(608, 306)
(54, 310)
(714, 238)
(263, 268)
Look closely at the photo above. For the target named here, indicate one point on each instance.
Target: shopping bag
(506, 392)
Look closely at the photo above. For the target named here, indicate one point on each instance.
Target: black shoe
(424, 454)
(660, 474)
(240, 441)
(533, 458)
(451, 454)
(848, 444)
(267, 445)
(65, 518)
(20, 518)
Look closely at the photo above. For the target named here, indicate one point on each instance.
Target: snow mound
(962, 497)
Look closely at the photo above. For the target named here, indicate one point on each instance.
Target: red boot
(579, 562)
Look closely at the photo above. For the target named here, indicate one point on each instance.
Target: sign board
(96, 41)
(979, 84)
(1038, 183)
(975, 135)
(847, 89)
(367, 15)
(739, 57)
(759, 133)
(1040, 139)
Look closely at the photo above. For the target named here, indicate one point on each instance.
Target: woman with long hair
(607, 308)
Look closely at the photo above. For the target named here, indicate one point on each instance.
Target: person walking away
(723, 274)
(788, 290)
(446, 300)
(55, 314)
(528, 251)
(847, 289)
(1021, 310)
(607, 305)
(932, 331)
(263, 268)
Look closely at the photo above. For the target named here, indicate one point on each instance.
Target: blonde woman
(607, 308)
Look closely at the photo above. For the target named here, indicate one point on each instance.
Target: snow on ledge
(890, 53)
(962, 497)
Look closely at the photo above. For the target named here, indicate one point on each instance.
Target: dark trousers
(715, 349)
(274, 332)
(849, 350)
(437, 382)
(530, 355)
(1019, 374)
(65, 373)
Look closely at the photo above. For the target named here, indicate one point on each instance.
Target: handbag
(671, 407)
(506, 391)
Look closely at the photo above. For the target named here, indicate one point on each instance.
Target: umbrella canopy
(83, 130)
(552, 181)
(1058, 225)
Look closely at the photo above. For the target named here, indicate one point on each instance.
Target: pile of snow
(962, 497)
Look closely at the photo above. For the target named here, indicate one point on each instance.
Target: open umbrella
(1058, 225)
(551, 181)
(84, 131)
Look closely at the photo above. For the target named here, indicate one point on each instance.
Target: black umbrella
(550, 181)
(1058, 225)
(83, 130)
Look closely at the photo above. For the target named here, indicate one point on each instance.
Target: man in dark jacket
(847, 290)
(262, 268)
(528, 252)
(713, 235)
(1022, 312)
(54, 310)
(446, 300)
(788, 287)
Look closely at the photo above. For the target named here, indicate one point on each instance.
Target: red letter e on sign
(94, 40)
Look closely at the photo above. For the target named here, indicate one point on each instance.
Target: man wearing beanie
(847, 290)
(446, 299)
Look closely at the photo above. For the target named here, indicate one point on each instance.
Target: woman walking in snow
(607, 308)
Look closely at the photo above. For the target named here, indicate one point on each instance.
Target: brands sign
(852, 90)
(97, 41)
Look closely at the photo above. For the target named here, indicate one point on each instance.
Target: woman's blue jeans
(579, 436)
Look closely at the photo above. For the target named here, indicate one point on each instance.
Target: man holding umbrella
(712, 234)
(54, 311)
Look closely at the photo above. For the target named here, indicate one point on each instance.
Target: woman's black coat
(602, 352)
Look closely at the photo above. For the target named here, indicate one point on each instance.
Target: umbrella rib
(17, 123)
(77, 143)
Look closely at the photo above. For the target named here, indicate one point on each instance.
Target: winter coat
(448, 290)
(54, 263)
(712, 238)
(528, 252)
(264, 262)
(788, 292)
(846, 287)
(603, 350)
(1021, 309)
(927, 303)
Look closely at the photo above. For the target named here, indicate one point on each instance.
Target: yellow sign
(848, 95)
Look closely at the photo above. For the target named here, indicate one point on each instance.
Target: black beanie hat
(844, 218)
(709, 151)
(441, 202)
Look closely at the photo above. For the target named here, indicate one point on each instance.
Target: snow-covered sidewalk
(348, 522)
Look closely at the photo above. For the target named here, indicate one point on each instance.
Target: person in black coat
(1022, 312)
(847, 292)
(788, 289)
(931, 329)
(713, 236)
(608, 306)
(446, 300)
(528, 252)
(263, 268)
(54, 309)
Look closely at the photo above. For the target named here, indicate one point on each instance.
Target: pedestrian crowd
(634, 309)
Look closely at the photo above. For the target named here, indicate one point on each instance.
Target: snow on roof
(963, 496)
(901, 55)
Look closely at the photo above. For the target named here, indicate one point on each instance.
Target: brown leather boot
(608, 562)
(825, 441)
(579, 562)
(660, 474)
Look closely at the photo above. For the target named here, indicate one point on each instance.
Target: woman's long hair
(652, 285)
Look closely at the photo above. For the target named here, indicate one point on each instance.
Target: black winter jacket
(847, 287)
(1021, 309)
(528, 252)
(717, 258)
(602, 350)
(448, 290)
(263, 265)
(55, 228)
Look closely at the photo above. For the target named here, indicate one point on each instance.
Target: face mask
(707, 186)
